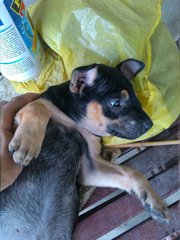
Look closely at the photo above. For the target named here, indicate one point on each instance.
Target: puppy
(98, 101)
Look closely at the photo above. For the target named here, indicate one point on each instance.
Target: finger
(9, 110)
(9, 172)
(2, 103)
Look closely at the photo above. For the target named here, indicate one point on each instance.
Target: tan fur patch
(27, 141)
(95, 121)
(94, 112)
(125, 94)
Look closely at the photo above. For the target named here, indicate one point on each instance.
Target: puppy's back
(43, 201)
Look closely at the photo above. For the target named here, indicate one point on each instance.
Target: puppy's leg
(27, 141)
(32, 121)
(105, 174)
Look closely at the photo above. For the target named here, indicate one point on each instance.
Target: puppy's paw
(155, 206)
(26, 144)
(151, 201)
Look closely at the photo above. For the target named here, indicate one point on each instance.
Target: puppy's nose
(147, 123)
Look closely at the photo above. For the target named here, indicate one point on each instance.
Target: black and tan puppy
(98, 101)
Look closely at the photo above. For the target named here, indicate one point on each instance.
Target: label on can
(21, 52)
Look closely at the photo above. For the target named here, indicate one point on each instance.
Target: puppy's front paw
(155, 206)
(151, 201)
(26, 144)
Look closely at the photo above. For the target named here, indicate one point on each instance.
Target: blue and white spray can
(21, 53)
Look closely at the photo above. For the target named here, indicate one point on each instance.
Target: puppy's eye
(115, 103)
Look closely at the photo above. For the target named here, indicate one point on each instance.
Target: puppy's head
(109, 105)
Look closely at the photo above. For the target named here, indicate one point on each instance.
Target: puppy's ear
(83, 77)
(130, 68)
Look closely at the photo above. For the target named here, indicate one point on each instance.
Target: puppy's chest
(61, 150)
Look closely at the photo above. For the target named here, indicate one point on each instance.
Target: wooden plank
(119, 193)
(133, 222)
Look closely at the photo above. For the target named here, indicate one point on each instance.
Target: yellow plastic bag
(162, 97)
(82, 32)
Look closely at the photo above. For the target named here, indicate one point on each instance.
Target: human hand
(9, 170)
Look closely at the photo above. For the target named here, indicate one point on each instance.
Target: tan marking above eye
(125, 94)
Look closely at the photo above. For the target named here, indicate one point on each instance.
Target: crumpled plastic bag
(161, 98)
(83, 32)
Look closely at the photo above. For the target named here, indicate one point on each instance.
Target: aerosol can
(21, 53)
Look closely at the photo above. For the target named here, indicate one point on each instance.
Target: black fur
(107, 87)
(43, 202)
